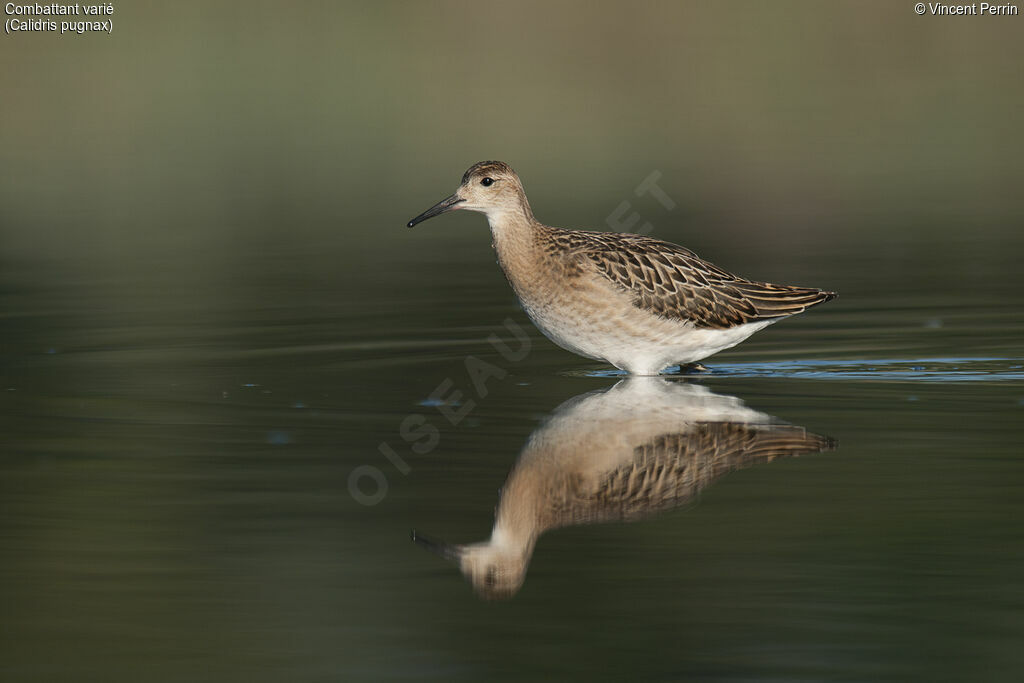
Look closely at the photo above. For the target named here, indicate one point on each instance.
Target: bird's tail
(778, 301)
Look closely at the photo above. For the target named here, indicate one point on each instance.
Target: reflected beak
(452, 553)
(442, 206)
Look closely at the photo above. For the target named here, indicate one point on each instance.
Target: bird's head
(489, 187)
(496, 572)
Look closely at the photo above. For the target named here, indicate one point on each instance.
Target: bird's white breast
(607, 326)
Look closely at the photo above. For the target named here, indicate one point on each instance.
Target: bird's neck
(514, 233)
(514, 540)
(519, 518)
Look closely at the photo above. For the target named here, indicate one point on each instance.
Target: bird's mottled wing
(673, 282)
(671, 469)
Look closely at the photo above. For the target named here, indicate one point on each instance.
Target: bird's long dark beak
(449, 552)
(437, 209)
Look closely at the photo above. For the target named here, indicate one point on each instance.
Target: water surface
(180, 448)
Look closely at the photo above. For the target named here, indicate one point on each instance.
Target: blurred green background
(211, 312)
(226, 124)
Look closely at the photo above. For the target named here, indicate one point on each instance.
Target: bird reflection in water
(622, 454)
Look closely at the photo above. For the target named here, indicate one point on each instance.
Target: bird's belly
(614, 330)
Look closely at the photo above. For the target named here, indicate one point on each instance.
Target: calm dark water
(213, 325)
(180, 438)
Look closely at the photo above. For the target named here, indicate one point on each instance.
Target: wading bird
(638, 303)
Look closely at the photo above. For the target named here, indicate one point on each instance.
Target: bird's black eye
(487, 182)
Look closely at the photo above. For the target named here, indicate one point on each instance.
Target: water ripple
(892, 369)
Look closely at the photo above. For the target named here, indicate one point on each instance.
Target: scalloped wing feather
(673, 282)
(673, 468)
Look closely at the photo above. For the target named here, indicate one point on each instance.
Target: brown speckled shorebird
(645, 446)
(636, 302)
